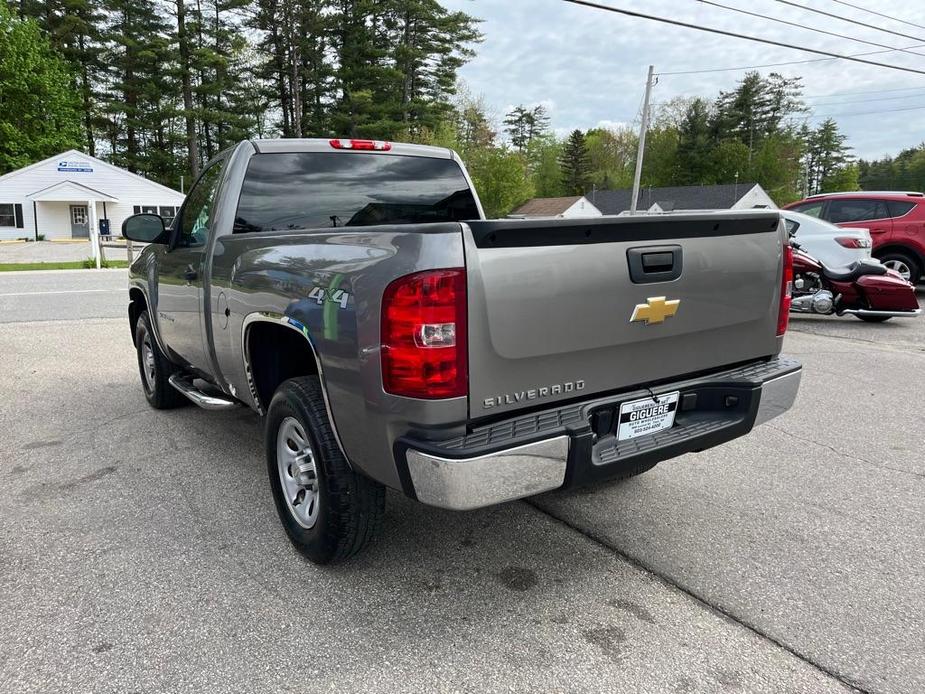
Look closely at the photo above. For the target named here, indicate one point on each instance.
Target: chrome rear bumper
(569, 455)
(469, 483)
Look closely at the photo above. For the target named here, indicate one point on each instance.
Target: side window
(898, 209)
(813, 209)
(197, 210)
(842, 211)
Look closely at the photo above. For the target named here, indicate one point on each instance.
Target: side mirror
(144, 228)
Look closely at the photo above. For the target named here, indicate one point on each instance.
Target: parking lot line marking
(65, 291)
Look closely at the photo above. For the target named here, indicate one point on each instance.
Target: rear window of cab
(313, 190)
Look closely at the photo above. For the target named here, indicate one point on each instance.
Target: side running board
(207, 401)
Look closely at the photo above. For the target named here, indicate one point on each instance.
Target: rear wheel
(874, 319)
(155, 368)
(328, 511)
(903, 263)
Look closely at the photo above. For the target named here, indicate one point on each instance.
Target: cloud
(590, 65)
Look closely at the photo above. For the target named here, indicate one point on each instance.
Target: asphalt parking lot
(140, 550)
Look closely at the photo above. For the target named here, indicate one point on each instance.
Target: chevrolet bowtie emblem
(655, 310)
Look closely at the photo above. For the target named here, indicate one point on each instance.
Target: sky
(588, 66)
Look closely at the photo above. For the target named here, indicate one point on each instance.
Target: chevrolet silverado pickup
(352, 294)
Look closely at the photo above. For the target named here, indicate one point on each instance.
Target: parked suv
(896, 221)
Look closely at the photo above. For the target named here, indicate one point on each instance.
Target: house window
(7, 215)
(167, 214)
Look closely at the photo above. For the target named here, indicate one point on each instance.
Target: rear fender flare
(279, 319)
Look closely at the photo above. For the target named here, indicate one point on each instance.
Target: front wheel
(155, 368)
(329, 511)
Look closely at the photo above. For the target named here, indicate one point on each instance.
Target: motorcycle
(866, 289)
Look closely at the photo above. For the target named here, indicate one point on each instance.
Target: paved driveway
(141, 550)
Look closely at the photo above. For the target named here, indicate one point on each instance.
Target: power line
(722, 32)
(866, 113)
(848, 19)
(872, 91)
(788, 62)
(864, 101)
(880, 14)
(802, 26)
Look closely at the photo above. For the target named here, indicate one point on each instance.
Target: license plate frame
(647, 416)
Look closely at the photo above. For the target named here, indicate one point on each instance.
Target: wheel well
(277, 353)
(905, 250)
(136, 305)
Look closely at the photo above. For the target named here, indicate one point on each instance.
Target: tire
(902, 263)
(154, 368)
(875, 319)
(329, 511)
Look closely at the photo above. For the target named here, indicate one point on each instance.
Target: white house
(564, 208)
(728, 196)
(63, 196)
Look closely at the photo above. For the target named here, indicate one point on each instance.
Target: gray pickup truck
(352, 293)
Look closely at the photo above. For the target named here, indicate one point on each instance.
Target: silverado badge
(655, 310)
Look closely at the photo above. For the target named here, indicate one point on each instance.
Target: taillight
(423, 330)
(852, 242)
(786, 292)
(369, 145)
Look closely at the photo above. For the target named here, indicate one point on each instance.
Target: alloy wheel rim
(298, 472)
(147, 362)
(900, 267)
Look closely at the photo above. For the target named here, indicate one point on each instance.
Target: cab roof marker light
(365, 145)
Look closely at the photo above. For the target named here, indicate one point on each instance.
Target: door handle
(654, 263)
(190, 273)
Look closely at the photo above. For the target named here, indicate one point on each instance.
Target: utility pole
(642, 139)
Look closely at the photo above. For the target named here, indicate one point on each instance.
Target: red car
(896, 221)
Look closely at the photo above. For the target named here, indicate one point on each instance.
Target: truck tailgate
(551, 302)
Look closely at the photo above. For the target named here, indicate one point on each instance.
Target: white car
(834, 247)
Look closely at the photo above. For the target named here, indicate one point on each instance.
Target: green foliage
(500, 177)
(40, 114)
(906, 171)
(611, 157)
(543, 155)
(845, 178)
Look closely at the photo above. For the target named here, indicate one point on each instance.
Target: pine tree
(826, 154)
(695, 143)
(141, 99)
(525, 124)
(575, 166)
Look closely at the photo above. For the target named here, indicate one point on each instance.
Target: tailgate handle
(654, 264)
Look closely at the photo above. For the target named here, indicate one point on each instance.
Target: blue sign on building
(75, 166)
